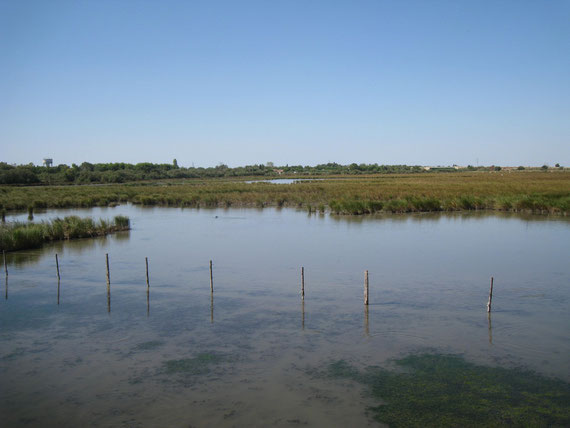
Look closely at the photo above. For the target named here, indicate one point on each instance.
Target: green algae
(148, 346)
(198, 365)
(432, 390)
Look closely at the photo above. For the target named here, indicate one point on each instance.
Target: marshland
(424, 352)
(540, 191)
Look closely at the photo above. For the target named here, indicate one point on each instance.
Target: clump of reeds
(20, 236)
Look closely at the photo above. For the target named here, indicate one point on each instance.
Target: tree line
(120, 172)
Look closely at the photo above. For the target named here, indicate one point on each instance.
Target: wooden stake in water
(57, 266)
(147, 280)
(490, 296)
(108, 273)
(5, 264)
(302, 283)
(366, 287)
(211, 278)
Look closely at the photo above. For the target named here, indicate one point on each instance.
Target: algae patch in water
(431, 390)
(200, 364)
(148, 346)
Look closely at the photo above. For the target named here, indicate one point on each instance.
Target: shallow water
(244, 358)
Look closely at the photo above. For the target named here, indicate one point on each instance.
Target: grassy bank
(509, 191)
(22, 236)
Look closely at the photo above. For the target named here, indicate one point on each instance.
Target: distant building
(48, 162)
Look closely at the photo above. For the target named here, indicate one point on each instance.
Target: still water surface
(245, 356)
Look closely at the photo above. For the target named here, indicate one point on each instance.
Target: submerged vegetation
(529, 191)
(432, 390)
(198, 365)
(21, 236)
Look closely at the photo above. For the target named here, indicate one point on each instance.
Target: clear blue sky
(297, 82)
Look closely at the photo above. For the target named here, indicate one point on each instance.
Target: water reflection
(58, 284)
(108, 296)
(211, 308)
(27, 258)
(148, 302)
(490, 328)
(303, 314)
(6, 287)
(435, 217)
(366, 321)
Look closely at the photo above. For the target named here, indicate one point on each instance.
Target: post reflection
(108, 297)
(303, 314)
(148, 301)
(490, 328)
(211, 308)
(366, 321)
(58, 284)
(6, 287)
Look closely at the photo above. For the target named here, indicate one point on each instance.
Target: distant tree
(520, 168)
(557, 165)
(175, 163)
(544, 167)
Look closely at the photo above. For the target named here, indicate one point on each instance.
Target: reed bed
(21, 236)
(529, 191)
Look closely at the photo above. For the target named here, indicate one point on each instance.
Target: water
(283, 180)
(245, 357)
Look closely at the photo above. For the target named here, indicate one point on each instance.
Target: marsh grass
(20, 236)
(433, 390)
(527, 191)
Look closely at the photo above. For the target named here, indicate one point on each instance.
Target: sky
(292, 82)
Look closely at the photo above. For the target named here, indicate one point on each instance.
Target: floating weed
(433, 390)
(198, 365)
(148, 346)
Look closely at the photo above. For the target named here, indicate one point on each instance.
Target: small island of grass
(22, 236)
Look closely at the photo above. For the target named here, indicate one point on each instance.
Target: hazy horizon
(298, 83)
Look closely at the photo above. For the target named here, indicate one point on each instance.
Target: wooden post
(5, 264)
(211, 278)
(302, 283)
(147, 280)
(366, 287)
(108, 273)
(57, 267)
(490, 296)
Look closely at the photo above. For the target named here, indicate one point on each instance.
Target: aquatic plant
(200, 364)
(20, 236)
(433, 390)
